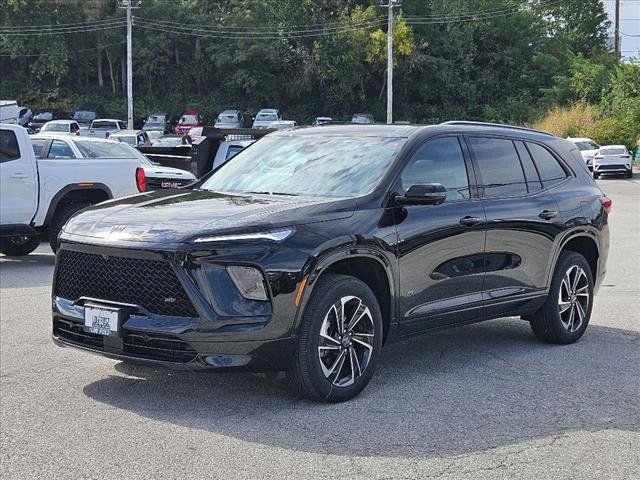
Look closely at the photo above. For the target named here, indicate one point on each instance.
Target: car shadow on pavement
(459, 391)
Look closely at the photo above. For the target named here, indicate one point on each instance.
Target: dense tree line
(496, 60)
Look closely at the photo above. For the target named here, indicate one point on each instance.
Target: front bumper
(617, 168)
(203, 333)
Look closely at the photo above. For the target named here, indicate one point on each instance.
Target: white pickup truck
(103, 127)
(38, 196)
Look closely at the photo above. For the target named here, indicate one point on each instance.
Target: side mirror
(429, 194)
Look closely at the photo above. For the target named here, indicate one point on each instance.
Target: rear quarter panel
(117, 174)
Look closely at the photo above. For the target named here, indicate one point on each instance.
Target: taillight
(606, 202)
(141, 180)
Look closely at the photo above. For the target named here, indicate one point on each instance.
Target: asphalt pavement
(483, 401)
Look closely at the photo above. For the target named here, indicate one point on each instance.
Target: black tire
(307, 375)
(18, 246)
(630, 174)
(595, 176)
(61, 216)
(548, 323)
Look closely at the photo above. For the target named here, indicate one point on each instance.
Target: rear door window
(551, 172)
(9, 149)
(531, 174)
(38, 147)
(500, 168)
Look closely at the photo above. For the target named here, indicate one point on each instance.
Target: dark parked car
(87, 115)
(39, 119)
(312, 248)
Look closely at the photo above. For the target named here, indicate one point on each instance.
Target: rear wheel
(339, 342)
(19, 245)
(565, 315)
(61, 216)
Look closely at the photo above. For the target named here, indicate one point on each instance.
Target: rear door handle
(548, 214)
(470, 221)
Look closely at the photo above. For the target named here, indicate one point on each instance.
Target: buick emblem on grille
(169, 300)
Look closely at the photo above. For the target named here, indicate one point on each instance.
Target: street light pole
(128, 4)
(129, 67)
(391, 4)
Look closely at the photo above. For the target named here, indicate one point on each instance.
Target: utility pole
(391, 4)
(128, 5)
(616, 47)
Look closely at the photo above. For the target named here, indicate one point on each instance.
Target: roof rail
(489, 124)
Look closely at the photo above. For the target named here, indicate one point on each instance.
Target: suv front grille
(152, 284)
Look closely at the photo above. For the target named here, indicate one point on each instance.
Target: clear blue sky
(629, 25)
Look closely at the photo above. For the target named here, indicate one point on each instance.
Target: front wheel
(565, 315)
(339, 342)
(18, 245)
(61, 216)
(630, 173)
(595, 176)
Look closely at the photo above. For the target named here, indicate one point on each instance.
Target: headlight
(249, 281)
(274, 236)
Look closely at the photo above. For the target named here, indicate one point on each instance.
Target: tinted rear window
(531, 174)
(500, 168)
(38, 146)
(551, 172)
(9, 149)
(613, 151)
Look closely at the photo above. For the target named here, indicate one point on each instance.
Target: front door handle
(548, 214)
(19, 175)
(470, 221)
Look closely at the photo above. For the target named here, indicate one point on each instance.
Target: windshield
(188, 119)
(613, 151)
(582, 146)
(90, 149)
(310, 166)
(104, 124)
(55, 127)
(44, 116)
(266, 117)
(155, 119)
(227, 118)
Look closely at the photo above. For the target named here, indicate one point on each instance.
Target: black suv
(314, 247)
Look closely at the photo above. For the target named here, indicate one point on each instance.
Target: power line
(51, 54)
(65, 30)
(247, 31)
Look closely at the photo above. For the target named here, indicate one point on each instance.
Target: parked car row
(604, 160)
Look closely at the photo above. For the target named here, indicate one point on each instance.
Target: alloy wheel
(346, 341)
(573, 298)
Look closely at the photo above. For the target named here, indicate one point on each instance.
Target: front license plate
(101, 320)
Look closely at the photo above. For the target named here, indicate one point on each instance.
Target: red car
(189, 120)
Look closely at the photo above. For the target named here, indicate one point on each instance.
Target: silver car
(265, 116)
(230, 119)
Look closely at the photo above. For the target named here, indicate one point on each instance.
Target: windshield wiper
(276, 193)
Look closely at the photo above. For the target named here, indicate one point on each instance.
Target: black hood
(183, 215)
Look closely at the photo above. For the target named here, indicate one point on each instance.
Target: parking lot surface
(483, 401)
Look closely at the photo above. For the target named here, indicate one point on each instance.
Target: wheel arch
(370, 266)
(583, 242)
(90, 192)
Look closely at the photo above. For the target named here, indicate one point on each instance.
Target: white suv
(612, 159)
(588, 149)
